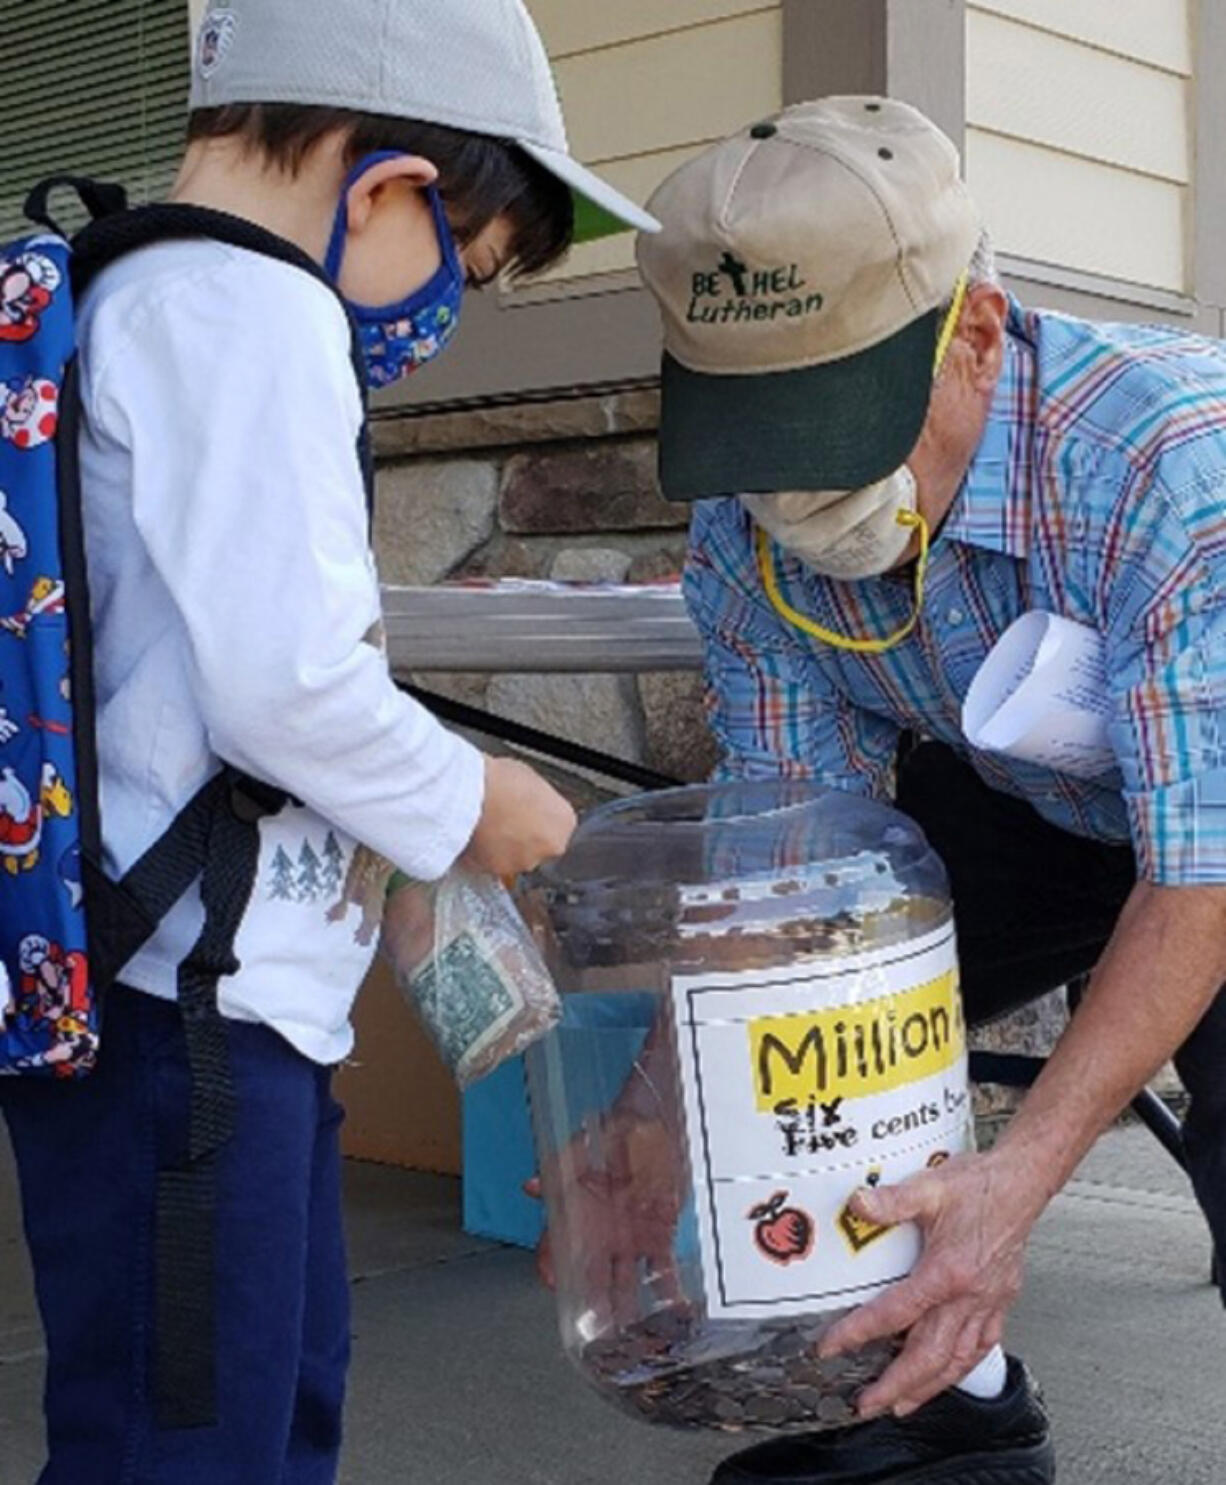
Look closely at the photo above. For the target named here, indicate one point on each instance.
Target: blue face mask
(398, 339)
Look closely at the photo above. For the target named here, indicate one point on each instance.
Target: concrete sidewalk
(458, 1380)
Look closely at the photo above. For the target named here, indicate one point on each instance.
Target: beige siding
(1057, 208)
(1155, 31)
(197, 9)
(571, 26)
(1079, 138)
(645, 87)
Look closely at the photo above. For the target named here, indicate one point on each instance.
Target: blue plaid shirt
(1098, 492)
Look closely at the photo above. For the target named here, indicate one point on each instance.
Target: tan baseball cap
(800, 273)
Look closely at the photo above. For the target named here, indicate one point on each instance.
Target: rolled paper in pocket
(1042, 696)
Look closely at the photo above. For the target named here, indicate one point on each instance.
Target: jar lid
(774, 834)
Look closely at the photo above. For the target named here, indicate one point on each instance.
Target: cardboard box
(402, 1104)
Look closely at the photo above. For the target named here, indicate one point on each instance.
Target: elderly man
(896, 461)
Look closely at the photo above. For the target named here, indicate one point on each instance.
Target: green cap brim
(600, 209)
(592, 221)
(837, 426)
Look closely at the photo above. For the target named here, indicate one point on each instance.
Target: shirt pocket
(969, 621)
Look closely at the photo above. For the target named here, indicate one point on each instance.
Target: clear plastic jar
(761, 1017)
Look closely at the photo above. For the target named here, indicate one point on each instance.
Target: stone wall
(563, 490)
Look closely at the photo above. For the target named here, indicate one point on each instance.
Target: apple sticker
(783, 1234)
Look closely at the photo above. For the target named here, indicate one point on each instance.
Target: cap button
(764, 131)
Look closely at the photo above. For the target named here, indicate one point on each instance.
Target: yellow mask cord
(770, 581)
(911, 519)
(950, 327)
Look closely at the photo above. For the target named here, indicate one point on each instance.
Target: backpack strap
(186, 1258)
(100, 199)
(124, 914)
(216, 838)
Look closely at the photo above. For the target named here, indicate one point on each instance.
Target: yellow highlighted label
(858, 1050)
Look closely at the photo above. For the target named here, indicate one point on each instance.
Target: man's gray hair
(982, 268)
(983, 263)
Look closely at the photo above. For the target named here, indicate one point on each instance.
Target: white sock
(988, 1378)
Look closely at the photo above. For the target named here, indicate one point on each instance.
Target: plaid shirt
(1098, 492)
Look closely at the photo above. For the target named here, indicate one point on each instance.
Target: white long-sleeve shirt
(235, 598)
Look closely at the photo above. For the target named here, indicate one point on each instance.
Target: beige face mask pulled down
(850, 534)
(841, 534)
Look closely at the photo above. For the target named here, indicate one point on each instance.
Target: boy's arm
(239, 408)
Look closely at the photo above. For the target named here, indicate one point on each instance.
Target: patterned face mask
(400, 338)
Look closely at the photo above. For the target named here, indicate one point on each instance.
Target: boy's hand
(524, 821)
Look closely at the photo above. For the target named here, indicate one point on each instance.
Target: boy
(403, 150)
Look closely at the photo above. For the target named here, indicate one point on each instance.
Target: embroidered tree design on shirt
(309, 885)
(281, 878)
(333, 867)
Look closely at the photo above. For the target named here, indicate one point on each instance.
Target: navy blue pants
(88, 1156)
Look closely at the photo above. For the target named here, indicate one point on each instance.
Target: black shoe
(954, 1440)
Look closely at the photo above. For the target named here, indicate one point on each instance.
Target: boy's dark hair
(480, 177)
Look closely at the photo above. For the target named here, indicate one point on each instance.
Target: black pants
(1034, 908)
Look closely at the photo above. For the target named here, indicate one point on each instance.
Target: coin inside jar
(782, 1387)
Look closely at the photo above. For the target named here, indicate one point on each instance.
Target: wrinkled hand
(619, 1188)
(975, 1215)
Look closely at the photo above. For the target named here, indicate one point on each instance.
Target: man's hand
(975, 1215)
(621, 1184)
(524, 821)
(1165, 963)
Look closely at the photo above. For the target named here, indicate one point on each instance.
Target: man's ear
(363, 194)
(983, 330)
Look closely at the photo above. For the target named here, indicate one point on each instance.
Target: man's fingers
(532, 1188)
(939, 1353)
(916, 1200)
(966, 1359)
(993, 1332)
(895, 1312)
(925, 1353)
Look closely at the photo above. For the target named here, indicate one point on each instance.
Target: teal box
(603, 1035)
(498, 1158)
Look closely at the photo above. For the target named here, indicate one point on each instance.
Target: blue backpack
(49, 1005)
(67, 928)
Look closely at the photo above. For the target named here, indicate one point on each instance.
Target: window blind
(90, 87)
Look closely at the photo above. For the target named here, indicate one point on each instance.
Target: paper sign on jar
(803, 1084)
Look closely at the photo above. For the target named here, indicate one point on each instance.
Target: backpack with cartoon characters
(66, 927)
(48, 1013)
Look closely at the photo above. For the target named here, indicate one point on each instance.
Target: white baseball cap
(801, 275)
(475, 65)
